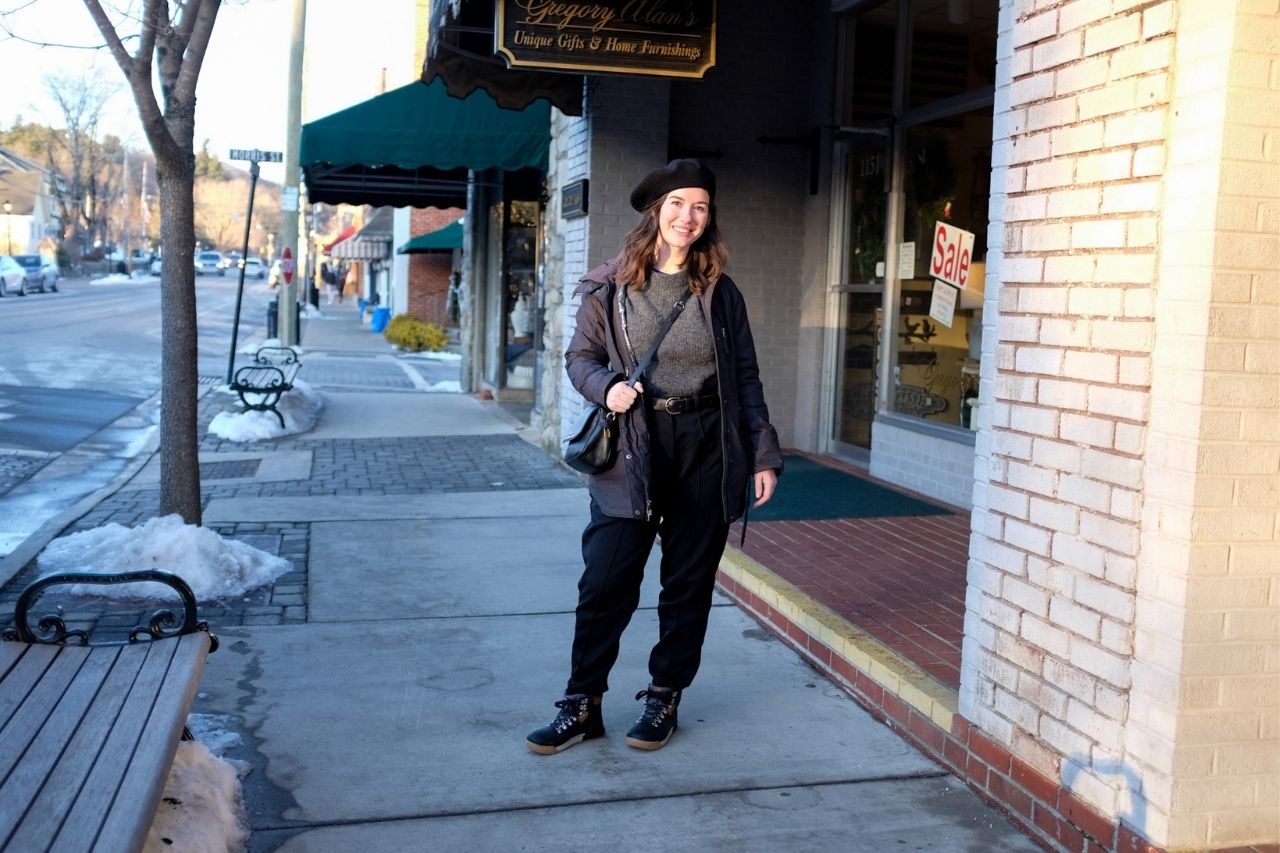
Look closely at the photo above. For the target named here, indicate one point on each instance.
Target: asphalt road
(77, 359)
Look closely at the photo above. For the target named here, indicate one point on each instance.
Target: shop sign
(573, 200)
(661, 38)
(942, 307)
(952, 254)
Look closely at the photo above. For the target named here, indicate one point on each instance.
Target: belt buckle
(675, 405)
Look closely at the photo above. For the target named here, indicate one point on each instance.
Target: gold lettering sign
(663, 38)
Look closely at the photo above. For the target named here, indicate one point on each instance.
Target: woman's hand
(766, 482)
(622, 396)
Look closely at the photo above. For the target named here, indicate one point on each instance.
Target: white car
(209, 262)
(12, 276)
(253, 268)
(156, 266)
(42, 273)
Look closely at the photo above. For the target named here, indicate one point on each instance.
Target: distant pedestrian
(330, 279)
(693, 439)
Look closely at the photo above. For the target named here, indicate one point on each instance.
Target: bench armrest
(51, 628)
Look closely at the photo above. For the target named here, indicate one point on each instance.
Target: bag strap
(667, 323)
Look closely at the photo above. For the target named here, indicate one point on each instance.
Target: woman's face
(683, 216)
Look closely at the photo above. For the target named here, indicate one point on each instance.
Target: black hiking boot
(658, 720)
(579, 719)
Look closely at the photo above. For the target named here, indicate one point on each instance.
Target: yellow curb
(885, 667)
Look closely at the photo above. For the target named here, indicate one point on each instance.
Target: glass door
(861, 293)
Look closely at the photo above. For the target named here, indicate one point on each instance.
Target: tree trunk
(179, 438)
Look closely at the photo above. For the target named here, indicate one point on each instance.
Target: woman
(694, 438)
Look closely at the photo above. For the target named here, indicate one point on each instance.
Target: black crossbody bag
(592, 447)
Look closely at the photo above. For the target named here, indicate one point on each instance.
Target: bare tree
(176, 34)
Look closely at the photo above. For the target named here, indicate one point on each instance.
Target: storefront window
(946, 179)
(932, 165)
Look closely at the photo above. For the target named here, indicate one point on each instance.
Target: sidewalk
(384, 687)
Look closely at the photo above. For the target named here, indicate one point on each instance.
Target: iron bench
(267, 379)
(88, 732)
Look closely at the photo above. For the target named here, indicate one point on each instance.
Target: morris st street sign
(662, 38)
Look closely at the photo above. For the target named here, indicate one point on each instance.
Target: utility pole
(292, 172)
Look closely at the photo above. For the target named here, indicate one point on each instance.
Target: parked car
(253, 268)
(41, 273)
(156, 266)
(12, 276)
(209, 262)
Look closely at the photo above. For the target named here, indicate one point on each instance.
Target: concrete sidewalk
(384, 688)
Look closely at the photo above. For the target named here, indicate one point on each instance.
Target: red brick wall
(429, 272)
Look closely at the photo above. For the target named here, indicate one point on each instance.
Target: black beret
(673, 176)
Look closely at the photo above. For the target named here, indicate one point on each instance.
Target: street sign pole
(253, 156)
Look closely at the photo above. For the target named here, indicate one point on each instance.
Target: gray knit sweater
(686, 360)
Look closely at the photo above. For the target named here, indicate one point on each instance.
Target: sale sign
(952, 254)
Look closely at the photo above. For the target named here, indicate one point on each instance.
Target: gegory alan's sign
(663, 38)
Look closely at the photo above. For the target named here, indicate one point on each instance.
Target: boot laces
(656, 706)
(573, 710)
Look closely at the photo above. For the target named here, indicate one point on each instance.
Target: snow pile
(212, 566)
(448, 386)
(310, 311)
(441, 355)
(203, 806)
(300, 407)
(121, 278)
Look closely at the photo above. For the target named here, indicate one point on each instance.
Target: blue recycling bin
(381, 317)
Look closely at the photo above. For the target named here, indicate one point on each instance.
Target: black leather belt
(680, 405)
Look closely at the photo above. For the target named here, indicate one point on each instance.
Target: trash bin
(381, 317)
(273, 318)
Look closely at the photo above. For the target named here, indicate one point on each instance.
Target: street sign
(289, 199)
(257, 155)
(286, 265)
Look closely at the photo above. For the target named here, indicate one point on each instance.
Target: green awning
(414, 145)
(448, 237)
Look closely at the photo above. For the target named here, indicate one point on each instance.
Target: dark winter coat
(598, 356)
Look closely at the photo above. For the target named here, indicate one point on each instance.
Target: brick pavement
(19, 466)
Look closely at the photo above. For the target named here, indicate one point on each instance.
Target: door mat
(811, 490)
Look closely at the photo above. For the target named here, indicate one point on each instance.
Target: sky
(243, 85)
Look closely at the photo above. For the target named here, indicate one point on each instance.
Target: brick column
(1115, 639)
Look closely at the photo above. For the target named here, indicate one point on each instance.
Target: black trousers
(688, 513)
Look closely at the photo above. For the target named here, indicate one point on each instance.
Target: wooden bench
(88, 732)
(267, 379)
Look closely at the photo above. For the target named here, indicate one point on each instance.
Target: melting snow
(214, 567)
(300, 407)
(203, 806)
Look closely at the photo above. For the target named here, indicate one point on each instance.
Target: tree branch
(206, 13)
(108, 30)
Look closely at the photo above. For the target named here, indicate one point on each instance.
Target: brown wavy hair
(707, 258)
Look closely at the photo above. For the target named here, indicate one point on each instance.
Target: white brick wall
(938, 467)
(1120, 514)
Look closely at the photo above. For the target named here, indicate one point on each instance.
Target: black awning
(460, 53)
(385, 186)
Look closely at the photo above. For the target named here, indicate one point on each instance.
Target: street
(79, 361)
(106, 338)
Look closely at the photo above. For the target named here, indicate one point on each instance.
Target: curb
(26, 551)
(828, 640)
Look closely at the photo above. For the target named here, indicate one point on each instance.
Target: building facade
(1104, 400)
